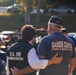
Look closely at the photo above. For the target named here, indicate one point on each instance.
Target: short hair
(54, 25)
(28, 32)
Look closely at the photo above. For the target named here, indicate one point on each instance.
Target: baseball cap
(56, 20)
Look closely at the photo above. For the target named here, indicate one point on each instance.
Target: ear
(50, 27)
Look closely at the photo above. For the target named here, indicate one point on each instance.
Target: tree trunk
(27, 13)
(38, 8)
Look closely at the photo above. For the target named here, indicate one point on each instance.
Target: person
(20, 54)
(64, 30)
(2, 43)
(55, 42)
(2, 61)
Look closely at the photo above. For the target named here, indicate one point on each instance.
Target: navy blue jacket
(17, 55)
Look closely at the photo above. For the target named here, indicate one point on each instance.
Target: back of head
(28, 32)
(55, 21)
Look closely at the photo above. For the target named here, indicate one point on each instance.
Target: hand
(55, 59)
(15, 71)
(70, 74)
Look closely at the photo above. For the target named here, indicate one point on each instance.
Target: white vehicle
(72, 34)
(61, 9)
(34, 11)
(3, 9)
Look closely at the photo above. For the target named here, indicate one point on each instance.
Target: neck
(55, 30)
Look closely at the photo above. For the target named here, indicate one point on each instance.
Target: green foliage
(16, 8)
(47, 1)
(20, 0)
(11, 2)
(3, 0)
(21, 17)
(44, 3)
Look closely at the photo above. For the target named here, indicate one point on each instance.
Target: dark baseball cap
(56, 19)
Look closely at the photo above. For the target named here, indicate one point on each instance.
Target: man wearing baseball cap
(57, 42)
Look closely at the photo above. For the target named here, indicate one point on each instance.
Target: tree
(38, 12)
(27, 13)
(27, 5)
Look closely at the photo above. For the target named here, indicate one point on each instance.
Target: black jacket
(17, 55)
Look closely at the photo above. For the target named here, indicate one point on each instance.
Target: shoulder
(45, 37)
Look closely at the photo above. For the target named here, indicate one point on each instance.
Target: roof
(9, 32)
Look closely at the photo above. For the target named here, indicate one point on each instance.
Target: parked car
(9, 38)
(41, 32)
(3, 9)
(34, 11)
(15, 8)
(61, 9)
(72, 35)
(6, 35)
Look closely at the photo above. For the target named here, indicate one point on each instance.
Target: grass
(5, 14)
(69, 21)
(15, 21)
